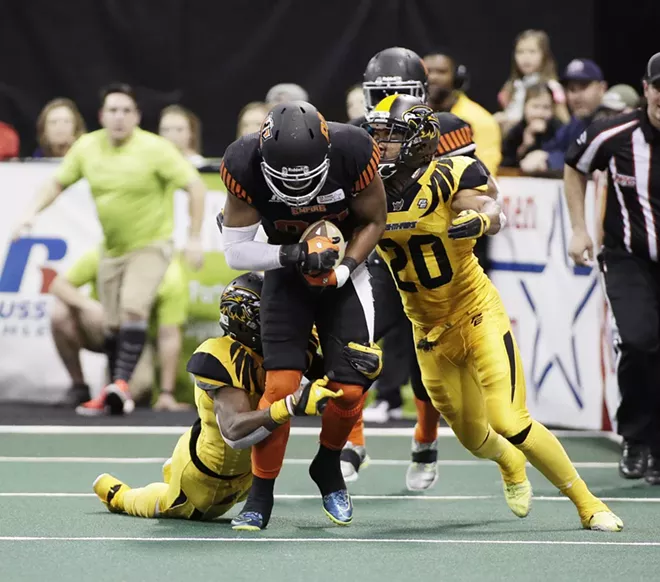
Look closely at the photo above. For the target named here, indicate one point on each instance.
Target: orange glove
(320, 255)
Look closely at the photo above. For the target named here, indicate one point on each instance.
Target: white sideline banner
(558, 311)
(30, 368)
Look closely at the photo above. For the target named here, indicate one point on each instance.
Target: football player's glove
(365, 359)
(316, 255)
(469, 224)
(309, 400)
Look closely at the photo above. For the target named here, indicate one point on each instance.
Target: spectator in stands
(355, 104)
(184, 129)
(285, 92)
(59, 125)
(620, 99)
(585, 87)
(77, 322)
(130, 172)
(447, 85)
(532, 63)
(9, 142)
(251, 117)
(538, 126)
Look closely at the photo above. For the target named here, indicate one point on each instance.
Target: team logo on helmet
(324, 128)
(241, 306)
(267, 128)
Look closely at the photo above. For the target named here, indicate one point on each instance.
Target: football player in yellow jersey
(210, 469)
(468, 357)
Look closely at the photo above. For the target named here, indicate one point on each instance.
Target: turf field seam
(326, 540)
(373, 462)
(295, 431)
(358, 497)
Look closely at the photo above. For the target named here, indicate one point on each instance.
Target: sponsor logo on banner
(23, 285)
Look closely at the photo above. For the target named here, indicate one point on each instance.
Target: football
(328, 230)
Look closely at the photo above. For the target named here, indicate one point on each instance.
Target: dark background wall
(216, 55)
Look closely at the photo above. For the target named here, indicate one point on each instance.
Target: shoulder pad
(209, 361)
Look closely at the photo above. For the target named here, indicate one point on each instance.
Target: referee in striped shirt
(628, 147)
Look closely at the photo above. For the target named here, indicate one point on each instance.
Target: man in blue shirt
(585, 88)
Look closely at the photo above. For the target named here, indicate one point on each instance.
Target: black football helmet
(394, 70)
(240, 303)
(406, 120)
(295, 148)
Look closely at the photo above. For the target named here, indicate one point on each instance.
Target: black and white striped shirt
(628, 147)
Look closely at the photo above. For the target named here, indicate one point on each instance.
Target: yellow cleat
(518, 497)
(603, 521)
(106, 488)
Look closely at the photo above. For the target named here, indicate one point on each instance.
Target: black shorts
(289, 309)
(389, 309)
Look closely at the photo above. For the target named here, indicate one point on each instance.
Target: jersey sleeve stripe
(445, 145)
(586, 159)
(369, 172)
(451, 138)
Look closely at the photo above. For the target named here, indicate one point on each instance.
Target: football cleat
(248, 521)
(338, 507)
(106, 488)
(422, 473)
(352, 459)
(603, 521)
(118, 398)
(518, 497)
(94, 407)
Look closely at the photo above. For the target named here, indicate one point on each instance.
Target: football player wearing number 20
(467, 354)
(298, 170)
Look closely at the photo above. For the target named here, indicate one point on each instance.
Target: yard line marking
(374, 462)
(285, 496)
(295, 431)
(265, 540)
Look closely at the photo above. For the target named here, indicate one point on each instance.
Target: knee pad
(281, 383)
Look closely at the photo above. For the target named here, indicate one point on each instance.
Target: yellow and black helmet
(240, 304)
(406, 120)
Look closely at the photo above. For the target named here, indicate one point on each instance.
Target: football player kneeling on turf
(210, 469)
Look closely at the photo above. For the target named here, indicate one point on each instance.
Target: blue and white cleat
(248, 521)
(338, 507)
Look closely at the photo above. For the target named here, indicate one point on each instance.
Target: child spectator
(538, 126)
(183, 128)
(59, 125)
(532, 63)
(251, 117)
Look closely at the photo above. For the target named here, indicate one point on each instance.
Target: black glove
(316, 255)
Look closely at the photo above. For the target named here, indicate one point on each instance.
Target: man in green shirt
(130, 172)
(77, 322)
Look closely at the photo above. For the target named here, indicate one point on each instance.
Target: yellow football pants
(187, 493)
(473, 373)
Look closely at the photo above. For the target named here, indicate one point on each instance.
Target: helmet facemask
(296, 186)
(417, 135)
(376, 91)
